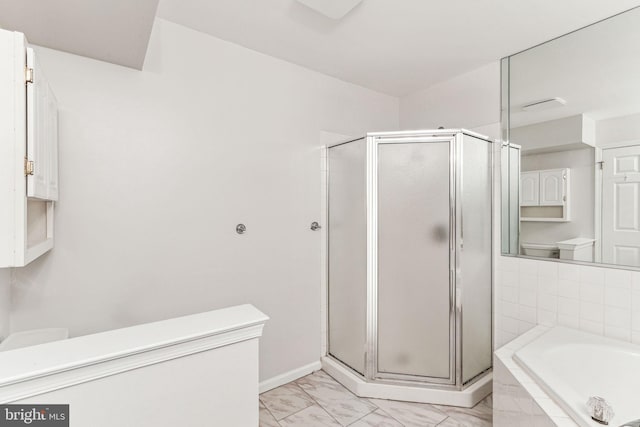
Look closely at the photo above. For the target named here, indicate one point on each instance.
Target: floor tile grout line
(376, 410)
(314, 399)
(457, 420)
(299, 410)
(392, 417)
(269, 411)
(446, 420)
(365, 415)
(295, 382)
(325, 409)
(355, 421)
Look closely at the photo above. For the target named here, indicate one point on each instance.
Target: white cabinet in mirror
(578, 177)
(544, 195)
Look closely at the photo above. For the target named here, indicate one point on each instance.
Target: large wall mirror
(571, 157)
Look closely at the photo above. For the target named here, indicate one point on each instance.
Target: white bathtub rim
(234, 325)
(505, 354)
(558, 335)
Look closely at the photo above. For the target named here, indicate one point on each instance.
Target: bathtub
(560, 368)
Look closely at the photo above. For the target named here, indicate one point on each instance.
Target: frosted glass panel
(475, 257)
(347, 253)
(413, 259)
(510, 218)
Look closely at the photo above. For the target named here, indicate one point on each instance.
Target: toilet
(578, 249)
(540, 250)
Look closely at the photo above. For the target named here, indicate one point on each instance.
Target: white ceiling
(115, 31)
(392, 46)
(595, 70)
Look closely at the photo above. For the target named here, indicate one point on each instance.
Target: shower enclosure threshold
(466, 398)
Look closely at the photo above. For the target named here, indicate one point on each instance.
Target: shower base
(427, 393)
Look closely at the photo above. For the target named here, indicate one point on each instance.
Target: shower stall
(410, 265)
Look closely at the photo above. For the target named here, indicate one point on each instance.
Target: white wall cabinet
(552, 187)
(28, 154)
(42, 134)
(529, 188)
(544, 195)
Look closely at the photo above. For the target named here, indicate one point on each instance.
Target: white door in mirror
(621, 192)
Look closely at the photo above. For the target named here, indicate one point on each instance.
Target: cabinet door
(552, 188)
(529, 189)
(42, 135)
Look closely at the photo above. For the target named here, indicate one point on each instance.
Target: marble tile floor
(319, 400)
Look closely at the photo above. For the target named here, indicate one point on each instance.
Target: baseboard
(289, 376)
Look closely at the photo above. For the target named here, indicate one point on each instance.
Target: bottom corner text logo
(38, 415)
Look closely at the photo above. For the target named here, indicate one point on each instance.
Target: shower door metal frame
(455, 139)
(371, 360)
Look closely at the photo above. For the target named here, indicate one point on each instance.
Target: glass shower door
(414, 324)
(347, 257)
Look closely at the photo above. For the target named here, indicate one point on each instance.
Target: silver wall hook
(241, 228)
(315, 226)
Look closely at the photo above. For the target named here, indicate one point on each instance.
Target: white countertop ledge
(62, 363)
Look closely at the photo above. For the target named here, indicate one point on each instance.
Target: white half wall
(5, 302)
(156, 169)
(467, 101)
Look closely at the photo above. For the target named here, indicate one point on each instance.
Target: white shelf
(544, 219)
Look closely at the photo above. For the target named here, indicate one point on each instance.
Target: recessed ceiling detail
(334, 9)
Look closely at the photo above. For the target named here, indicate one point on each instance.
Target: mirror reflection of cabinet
(544, 195)
(530, 188)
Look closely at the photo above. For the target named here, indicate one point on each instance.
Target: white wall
(567, 133)
(157, 168)
(467, 101)
(5, 302)
(618, 129)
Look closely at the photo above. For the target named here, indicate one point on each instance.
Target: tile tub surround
(319, 400)
(518, 400)
(593, 299)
